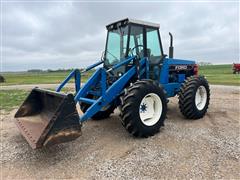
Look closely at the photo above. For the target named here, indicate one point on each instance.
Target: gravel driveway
(207, 148)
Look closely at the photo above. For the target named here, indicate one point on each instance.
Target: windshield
(116, 45)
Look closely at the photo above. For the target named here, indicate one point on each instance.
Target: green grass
(220, 74)
(216, 74)
(10, 99)
(38, 78)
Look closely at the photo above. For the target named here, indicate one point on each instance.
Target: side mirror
(171, 46)
(103, 56)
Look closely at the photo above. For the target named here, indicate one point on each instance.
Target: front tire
(194, 97)
(144, 108)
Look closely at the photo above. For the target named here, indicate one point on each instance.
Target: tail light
(195, 69)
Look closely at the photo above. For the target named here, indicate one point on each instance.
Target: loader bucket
(46, 118)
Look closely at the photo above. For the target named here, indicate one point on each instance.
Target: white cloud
(71, 34)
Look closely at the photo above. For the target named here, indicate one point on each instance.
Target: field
(216, 74)
(220, 74)
(10, 99)
(38, 77)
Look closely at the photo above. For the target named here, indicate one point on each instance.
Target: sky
(72, 34)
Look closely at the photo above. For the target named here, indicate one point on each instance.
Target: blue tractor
(135, 76)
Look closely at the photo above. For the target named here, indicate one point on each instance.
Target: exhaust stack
(171, 46)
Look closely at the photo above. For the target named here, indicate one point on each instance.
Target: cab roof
(127, 21)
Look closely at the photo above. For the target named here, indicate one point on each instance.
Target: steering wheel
(132, 49)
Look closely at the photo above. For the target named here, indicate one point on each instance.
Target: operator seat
(155, 64)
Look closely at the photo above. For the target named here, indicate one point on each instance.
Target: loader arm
(108, 93)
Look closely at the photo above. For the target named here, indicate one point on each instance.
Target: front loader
(135, 76)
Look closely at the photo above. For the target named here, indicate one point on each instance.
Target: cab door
(154, 52)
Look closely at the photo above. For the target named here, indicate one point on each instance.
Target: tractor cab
(130, 37)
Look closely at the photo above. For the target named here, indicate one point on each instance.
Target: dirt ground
(207, 148)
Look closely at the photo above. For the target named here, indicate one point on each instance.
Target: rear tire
(194, 97)
(144, 108)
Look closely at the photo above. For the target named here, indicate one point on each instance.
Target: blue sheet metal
(172, 88)
(107, 94)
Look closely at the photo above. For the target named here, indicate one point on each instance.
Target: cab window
(136, 41)
(153, 45)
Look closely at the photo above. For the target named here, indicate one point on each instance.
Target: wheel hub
(201, 97)
(150, 109)
(143, 108)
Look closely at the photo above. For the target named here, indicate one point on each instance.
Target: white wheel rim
(201, 97)
(150, 109)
